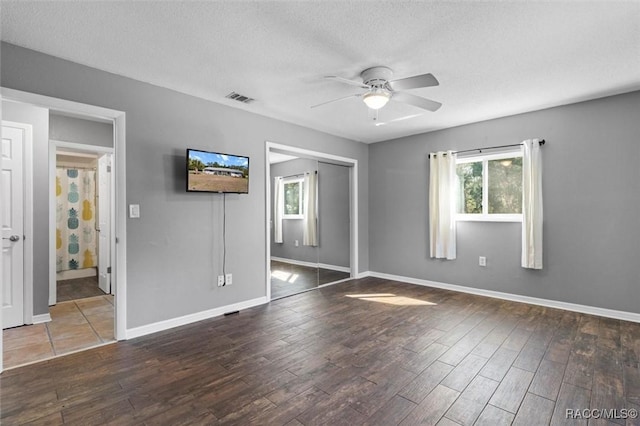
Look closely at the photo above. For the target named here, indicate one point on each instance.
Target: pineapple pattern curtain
(75, 219)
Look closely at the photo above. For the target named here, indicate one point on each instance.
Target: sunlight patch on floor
(293, 278)
(391, 299)
(285, 276)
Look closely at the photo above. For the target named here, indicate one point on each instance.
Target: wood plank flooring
(364, 352)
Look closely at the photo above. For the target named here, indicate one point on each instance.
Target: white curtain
(278, 208)
(310, 218)
(531, 204)
(442, 205)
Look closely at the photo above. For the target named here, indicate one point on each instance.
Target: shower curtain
(75, 219)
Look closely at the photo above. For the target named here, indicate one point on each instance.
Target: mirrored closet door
(333, 223)
(310, 224)
(294, 225)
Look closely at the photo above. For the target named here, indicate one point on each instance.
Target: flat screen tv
(217, 172)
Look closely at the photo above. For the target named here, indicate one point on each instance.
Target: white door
(13, 140)
(103, 221)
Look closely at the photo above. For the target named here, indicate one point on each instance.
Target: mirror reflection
(309, 224)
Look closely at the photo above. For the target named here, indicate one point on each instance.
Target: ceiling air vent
(240, 98)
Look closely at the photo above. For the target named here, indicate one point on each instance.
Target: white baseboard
(294, 262)
(191, 318)
(592, 310)
(76, 273)
(334, 267)
(39, 319)
(335, 282)
(311, 264)
(364, 274)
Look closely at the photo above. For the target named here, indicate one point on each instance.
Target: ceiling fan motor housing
(376, 76)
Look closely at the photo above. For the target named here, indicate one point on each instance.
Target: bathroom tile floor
(75, 325)
(77, 288)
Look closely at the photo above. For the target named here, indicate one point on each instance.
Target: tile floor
(75, 325)
(77, 288)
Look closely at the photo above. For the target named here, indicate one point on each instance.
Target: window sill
(489, 218)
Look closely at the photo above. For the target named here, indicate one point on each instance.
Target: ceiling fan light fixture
(376, 98)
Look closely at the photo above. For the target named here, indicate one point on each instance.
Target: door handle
(13, 238)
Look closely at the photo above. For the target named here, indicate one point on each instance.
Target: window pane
(470, 187)
(292, 198)
(505, 186)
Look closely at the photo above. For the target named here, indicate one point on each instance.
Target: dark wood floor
(288, 279)
(363, 352)
(77, 288)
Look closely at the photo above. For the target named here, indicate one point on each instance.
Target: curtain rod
(76, 168)
(541, 142)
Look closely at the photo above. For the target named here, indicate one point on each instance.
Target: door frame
(119, 262)
(54, 145)
(352, 163)
(27, 191)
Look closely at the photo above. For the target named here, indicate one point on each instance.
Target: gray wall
(333, 214)
(591, 191)
(174, 250)
(292, 228)
(39, 119)
(77, 130)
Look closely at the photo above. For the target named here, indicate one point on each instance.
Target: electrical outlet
(482, 261)
(297, 243)
(220, 280)
(229, 279)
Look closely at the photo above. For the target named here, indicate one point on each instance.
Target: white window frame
(300, 181)
(485, 216)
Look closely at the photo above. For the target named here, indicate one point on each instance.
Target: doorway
(114, 288)
(81, 296)
(82, 212)
(311, 220)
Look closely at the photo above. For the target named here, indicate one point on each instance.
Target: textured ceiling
(492, 58)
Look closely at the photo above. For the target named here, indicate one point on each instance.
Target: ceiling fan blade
(424, 80)
(423, 103)
(336, 100)
(347, 81)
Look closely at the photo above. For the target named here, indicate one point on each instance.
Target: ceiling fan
(381, 89)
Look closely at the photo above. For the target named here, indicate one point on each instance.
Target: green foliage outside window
(292, 198)
(470, 189)
(505, 186)
(504, 178)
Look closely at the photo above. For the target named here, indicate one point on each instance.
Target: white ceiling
(278, 157)
(492, 58)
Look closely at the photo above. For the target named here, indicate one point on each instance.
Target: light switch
(134, 211)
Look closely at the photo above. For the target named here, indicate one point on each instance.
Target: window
(293, 191)
(490, 187)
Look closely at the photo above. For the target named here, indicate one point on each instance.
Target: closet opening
(311, 220)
